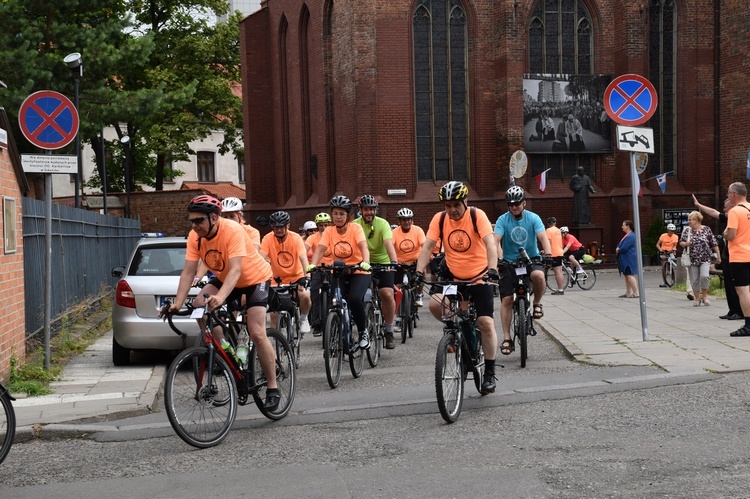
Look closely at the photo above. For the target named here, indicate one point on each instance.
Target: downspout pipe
(718, 201)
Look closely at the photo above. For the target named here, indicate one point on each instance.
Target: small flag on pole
(542, 180)
(640, 191)
(662, 181)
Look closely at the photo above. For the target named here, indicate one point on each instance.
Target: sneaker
(736, 317)
(364, 340)
(397, 325)
(488, 384)
(419, 301)
(579, 271)
(558, 293)
(690, 296)
(273, 397)
(316, 332)
(664, 285)
(390, 343)
(304, 327)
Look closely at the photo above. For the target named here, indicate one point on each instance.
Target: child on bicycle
(666, 244)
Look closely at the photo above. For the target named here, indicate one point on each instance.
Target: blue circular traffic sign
(630, 100)
(48, 119)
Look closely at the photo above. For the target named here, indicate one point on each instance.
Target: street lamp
(75, 63)
(125, 141)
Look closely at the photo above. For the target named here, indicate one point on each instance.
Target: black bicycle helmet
(368, 200)
(515, 194)
(279, 219)
(342, 202)
(204, 204)
(453, 191)
(405, 213)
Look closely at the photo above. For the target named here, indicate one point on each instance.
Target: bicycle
(288, 321)
(409, 313)
(459, 350)
(204, 384)
(338, 334)
(669, 267)
(522, 325)
(7, 422)
(375, 325)
(584, 280)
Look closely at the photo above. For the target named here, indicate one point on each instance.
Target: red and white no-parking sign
(48, 119)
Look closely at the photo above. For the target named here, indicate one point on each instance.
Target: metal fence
(85, 248)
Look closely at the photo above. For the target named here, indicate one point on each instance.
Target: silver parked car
(151, 277)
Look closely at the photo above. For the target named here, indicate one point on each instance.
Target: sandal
(507, 347)
(538, 311)
(743, 331)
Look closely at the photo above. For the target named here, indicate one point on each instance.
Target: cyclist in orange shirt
(347, 242)
(240, 273)
(286, 252)
(317, 314)
(408, 240)
(666, 244)
(738, 235)
(470, 252)
(555, 241)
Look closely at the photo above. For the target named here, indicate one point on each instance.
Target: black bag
(280, 301)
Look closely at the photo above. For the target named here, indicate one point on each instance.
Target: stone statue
(581, 186)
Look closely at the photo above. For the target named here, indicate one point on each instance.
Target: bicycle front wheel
(587, 279)
(333, 352)
(551, 280)
(449, 379)
(7, 425)
(376, 340)
(190, 398)
(356, 354)
(405, 314)
(521, 326)
(669, 276)
(285, 376)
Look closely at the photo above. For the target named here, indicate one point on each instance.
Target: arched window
(561, 41)
(662, 64)
(441, 90)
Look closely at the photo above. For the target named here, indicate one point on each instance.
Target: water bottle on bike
(243, 348)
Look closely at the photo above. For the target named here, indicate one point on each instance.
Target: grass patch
(715, 288)
(78, 330)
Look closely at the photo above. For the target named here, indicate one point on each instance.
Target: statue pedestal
(587, 234)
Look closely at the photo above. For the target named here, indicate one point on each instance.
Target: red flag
(541, 179)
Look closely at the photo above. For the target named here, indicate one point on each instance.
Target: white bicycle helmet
(405, 213)
(231, 204)
(671, 227)
(310, 225)
(564, 229)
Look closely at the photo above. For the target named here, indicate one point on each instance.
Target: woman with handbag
(699, 241)
(627, 260)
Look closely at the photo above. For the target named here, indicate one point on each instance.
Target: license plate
(163, 299)
(450, 289)
(520, 270)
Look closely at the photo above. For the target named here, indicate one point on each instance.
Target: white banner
(44, 163)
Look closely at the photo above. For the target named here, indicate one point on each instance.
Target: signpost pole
(639, 253)
(47, 266)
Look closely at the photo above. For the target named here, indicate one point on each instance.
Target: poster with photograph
(565, 114)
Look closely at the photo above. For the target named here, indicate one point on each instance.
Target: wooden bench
(717, 272)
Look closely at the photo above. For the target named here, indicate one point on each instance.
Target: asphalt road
(548, 432)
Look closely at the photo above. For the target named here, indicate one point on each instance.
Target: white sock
(302, 317)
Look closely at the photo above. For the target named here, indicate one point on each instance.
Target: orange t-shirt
(555, 241)
(465, 252)
(253, 233)
(668, 241)
(285, 256)
(739, 248)
(312, 243)
(230, 241)
(344, 247)
(408, 244)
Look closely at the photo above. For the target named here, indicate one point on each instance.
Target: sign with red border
(630, 100)
(48, 119)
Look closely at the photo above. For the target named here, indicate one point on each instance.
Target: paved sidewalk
(593, 326)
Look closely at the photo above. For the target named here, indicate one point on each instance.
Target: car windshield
(158, 261)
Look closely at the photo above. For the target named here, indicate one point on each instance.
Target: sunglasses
(515, 204)
(198, 221)
(372, 233)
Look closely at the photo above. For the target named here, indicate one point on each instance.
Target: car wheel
(120, 355)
